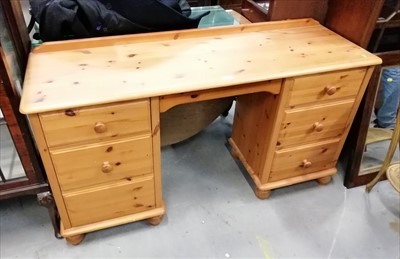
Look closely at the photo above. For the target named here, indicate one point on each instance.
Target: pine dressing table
(94, 107)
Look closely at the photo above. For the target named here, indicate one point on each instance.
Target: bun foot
(263, 194)
(75, 240)
(324, 180)
(235, 154)
(155, 220)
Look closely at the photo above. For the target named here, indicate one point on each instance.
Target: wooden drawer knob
(306, 163)
(330, 90)
(318, 127)
(106, 167)
(100, 127)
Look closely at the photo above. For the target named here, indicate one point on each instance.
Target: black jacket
(66, 19)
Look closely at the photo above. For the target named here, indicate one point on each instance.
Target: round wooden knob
(318, 127)
(106, 167)
(306, 163)
(330, 90)
(100, 127)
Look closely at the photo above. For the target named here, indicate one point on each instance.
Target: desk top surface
(95, 71)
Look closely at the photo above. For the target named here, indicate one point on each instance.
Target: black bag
(71, 19)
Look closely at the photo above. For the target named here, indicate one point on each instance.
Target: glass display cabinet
(20, 171)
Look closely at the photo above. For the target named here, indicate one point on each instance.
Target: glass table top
(217, 17)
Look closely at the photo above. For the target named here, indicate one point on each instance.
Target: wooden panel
(256, 127)
(289, 9)
(155, 133)
(17, 188)
(110, 201)
(314, 88)
(112, 222)
(104, 162)
(354, 20)
(309, 124)
(169, 101)
(353, 112)
(251, 128)
(290, 162)
(49, 168)
(75, 125)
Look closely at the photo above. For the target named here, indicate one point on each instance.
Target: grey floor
(212, 213)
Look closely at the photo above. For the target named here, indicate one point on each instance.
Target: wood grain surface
(77, 73)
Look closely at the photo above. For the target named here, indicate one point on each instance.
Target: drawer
(302, 160)
(96, 123)
(104, 162)
(110, 201)
(326, 86)
(314, 123)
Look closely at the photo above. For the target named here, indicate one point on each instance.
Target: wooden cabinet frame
(34, 182)
(355, 144)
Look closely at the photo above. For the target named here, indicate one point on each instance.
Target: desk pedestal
(298, 135)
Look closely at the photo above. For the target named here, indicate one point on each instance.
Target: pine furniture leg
(262, 194)
(155, 220)
(75, 240)
(324, 180)
(235, 154)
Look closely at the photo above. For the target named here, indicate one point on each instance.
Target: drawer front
(110, 201)
(302, 126)
(96, 123)
(326, 86)
(303, 160)
(100, 163)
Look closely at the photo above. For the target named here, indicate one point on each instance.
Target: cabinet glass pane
(10, 164)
